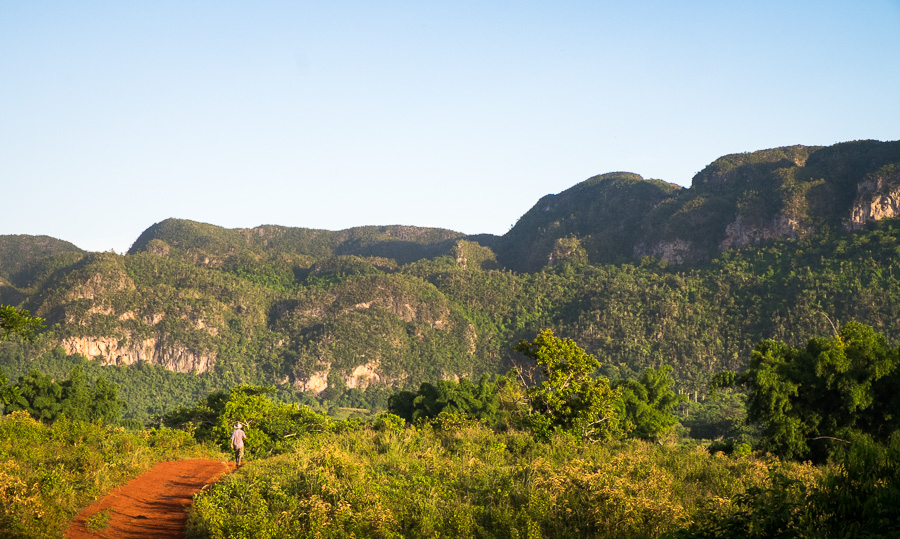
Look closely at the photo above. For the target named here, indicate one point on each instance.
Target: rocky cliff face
(738, 200)
(127, 351)
(740, 233)
(675, 251)
(101, 308)
(877, 197)
(359, 377)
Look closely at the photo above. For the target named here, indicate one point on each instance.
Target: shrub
(48, 472)
(472, 481)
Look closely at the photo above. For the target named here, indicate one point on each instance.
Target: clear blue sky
(333, 114)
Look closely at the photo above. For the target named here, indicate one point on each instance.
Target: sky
(460, 115)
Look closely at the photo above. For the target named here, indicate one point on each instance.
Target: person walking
(237, 442)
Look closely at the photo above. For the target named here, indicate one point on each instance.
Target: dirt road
(153, 504)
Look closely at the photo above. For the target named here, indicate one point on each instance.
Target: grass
(474, 482)
(99, 521)
(385, 481)
(49, 472)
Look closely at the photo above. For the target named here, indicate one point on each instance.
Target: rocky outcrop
(114, 351)
(363, 375)
(877, 198)
(677, 251)
(316, 383)
(740, 233)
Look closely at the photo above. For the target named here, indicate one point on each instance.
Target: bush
(48, 472)
(858, 498)
(387, 422)
(473, 481)
(271, 427)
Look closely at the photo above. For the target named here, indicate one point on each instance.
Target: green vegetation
(402, 326)
(665, 290)
(20, 255)
(15, 322)
(149, 390)
(811, 401)
(510, 458)
(479, 401)
(99, 521)
(46, 399)
(833, 401)
(356, 315)
(648, 404)
(569, 398)
(474, 482)
(563, 395)
(453, 475)
(49, 472)
(269, 425)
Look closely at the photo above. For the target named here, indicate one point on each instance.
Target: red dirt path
(152, 504)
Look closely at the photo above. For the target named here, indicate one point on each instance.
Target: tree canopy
(18, 322)
(810, 400)
(75, 398)
(648, 403)
(570, 398)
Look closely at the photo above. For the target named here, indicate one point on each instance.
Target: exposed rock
(876, 198)
(363, 375)
(316, 383)
(153, 319)
(201, 324)
(739, 233)
(101, 309)
(114, 351)
(676, 251)
(471, 338)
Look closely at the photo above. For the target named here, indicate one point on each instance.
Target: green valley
(633, 358)
(772, 244)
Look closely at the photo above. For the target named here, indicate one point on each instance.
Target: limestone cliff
(677, 251)
(128, 351)
(740, 233)
(878, 197)
(738, 200)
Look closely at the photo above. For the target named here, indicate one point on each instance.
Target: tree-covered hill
(23, 258)
(805, 234)
(739, 199)
(216, 246)
(603, 213)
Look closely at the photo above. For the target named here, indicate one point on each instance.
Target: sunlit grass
(473, 482)
(48, 473)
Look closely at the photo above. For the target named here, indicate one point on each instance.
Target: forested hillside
(740, 199)
(774, 244)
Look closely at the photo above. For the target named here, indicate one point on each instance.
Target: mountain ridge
(738, 199)
(642, 273)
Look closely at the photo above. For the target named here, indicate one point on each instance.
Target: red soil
(153, 504)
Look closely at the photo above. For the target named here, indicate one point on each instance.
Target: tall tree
(647, 403)
(18, 322)
(570, 397)
(807, 400)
